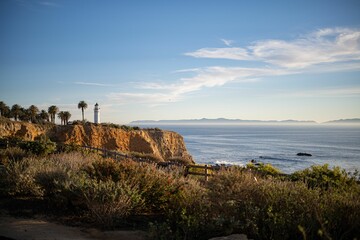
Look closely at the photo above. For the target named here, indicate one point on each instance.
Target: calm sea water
(277, 145)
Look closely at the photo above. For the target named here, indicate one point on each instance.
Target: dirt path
(32, 229)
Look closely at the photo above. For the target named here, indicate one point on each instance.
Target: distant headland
(240, 121)
(344, 121)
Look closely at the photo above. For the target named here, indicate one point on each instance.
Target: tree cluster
(34, 115)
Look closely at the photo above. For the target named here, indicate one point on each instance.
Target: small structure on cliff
(96, 113)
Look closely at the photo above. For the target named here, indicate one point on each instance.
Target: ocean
(277, 145)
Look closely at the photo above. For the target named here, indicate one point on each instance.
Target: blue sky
(183, 59)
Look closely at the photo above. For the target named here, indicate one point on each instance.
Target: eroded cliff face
(165, 145)
(23, 130)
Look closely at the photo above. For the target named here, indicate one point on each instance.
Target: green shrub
(117, 126)
(234, 196)
(18, 178)
(264, 169)
(146, 157)
(74, 161)
(181, 161)
(4, 143)
(266, 208)
(187, 210)
(151, 187)
(287, 205)
(154, 184)
(323, 177)
(103, 170)
(10, 142)
(109, 200)
(13, 153)
(50, 178)
(42, 147)
(126, 128)
(67, 148)
(36, 176)
(339, 214)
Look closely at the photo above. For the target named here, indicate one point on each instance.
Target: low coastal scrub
(324, 178)
(317, 203)
(42, 146)
(146, 157)
(123, 127)
(280, 209)
(264, 169)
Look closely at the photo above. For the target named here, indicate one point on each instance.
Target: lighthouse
(96, 113)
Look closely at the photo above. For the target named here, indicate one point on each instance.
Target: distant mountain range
(238, 121)
(345, 121)
(216, 121)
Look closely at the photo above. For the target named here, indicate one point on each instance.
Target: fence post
(206, 172)
(186, 171)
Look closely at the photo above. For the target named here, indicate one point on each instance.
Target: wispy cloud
(325, 50)
(152, 99)
(330, 45)
(227, 42)
(35, 5)
(49, 4)
(204, 78)
(222, 53)
(95, 84)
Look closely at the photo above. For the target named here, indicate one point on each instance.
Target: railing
(108, 153)
(207, 170)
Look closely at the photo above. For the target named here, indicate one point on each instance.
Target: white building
(96, 113)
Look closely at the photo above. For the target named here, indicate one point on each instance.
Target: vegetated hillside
(165, 145)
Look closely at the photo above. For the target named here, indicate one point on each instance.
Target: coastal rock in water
(304, 154)
(165, 145)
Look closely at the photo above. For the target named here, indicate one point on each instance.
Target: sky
(152, 60)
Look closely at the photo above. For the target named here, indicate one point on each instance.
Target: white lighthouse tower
(96, 113)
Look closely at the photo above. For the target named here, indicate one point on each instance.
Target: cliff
(23, 130)
(165, 145)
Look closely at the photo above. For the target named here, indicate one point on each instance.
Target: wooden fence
(108, 153)
(205, 170)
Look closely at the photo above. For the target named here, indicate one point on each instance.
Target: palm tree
(44, 116)
(2, 108)
(61, 116)
(16, 111)
(6, 112)
(83, 105)
(33, 111)
(53, 110)
(25, 115)
(67, 116)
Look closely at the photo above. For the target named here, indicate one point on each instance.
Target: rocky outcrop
(23, 130)
(303, 154)
(165, 145)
